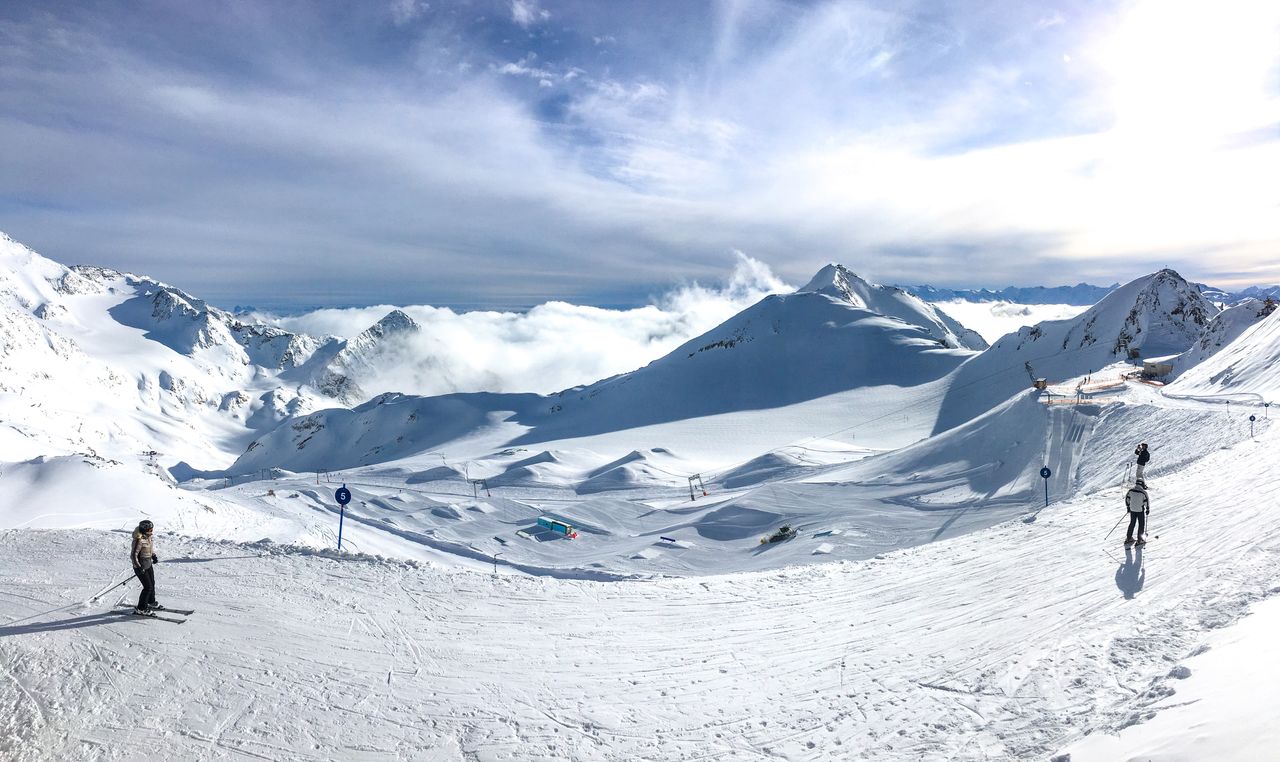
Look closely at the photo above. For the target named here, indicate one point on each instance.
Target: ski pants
(1140, 519)
(1141, 467)
(147, 577)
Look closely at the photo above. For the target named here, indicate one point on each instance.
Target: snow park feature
(558, 527)
(922, 598)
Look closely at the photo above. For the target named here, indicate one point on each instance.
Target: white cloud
(525, 67)
(802, 132)
(526, 12)
(553, 346)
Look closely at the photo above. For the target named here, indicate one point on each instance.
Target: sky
(505, 153)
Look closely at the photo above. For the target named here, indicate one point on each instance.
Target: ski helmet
(145, 525)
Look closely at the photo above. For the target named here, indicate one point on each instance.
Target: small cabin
(1041, 384)
(558, 526)
(1151, 369)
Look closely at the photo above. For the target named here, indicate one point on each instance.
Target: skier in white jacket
(1139, 506)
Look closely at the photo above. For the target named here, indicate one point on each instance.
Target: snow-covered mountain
(838, 281)
(113, 365)
(824, 339)
(339, 366)
(1156, 315)
(191, 327)
(1246, 366)
(1225, 328)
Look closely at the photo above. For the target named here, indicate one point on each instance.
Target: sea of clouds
(551, 347)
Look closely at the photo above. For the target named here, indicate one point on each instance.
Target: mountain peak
(839, 281)
(393, 323)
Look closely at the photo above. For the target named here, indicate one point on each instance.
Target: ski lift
(695, 482)
(477, 485)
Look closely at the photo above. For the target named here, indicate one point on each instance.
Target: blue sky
(504, 153)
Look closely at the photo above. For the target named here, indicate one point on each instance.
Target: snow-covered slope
(1246, 366)
(116, 365)
(113, 365)
(840, 282)
(1007, 643)
(1225, 328)
(338, 369)
(1158, 314)
(925, 586)
(783, 351)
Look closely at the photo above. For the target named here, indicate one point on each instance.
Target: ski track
(1007, 642)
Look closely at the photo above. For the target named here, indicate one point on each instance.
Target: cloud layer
(553, 346)
(503, 153)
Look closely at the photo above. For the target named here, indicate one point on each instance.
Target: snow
(1224, 329)
(1245, 368)
(980, 653)
(929, 605)
(1159, 314)
(839, 282)
(1215, 710)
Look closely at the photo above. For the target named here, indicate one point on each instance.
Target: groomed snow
(1006, 642)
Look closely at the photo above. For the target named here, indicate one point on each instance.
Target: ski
(149, 615)
(166, 610)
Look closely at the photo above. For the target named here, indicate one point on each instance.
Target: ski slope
(929, 605)
(1006, 642)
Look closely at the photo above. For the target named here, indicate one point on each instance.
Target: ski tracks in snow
(1003, 643)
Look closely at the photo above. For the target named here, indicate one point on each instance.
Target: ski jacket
(1136, 501)
(1144, 456)
(143, 550)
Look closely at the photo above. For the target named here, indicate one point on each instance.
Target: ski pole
(104, 591)
(1104, 539)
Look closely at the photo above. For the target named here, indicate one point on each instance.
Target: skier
(1139, 508)
(1144, 457)
(144, 558)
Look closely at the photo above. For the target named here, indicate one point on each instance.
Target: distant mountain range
(1081, 294)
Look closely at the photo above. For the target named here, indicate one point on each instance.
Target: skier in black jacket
(1144, 457)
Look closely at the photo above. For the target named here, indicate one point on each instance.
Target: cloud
(527, 13)
(336, 155)
(525, 67)
(553, 346)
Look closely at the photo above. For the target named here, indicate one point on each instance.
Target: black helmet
(145, 525)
